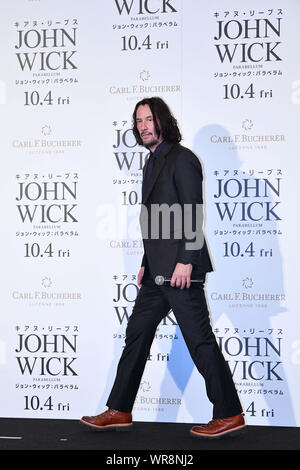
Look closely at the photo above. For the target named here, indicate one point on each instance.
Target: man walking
(172, 188)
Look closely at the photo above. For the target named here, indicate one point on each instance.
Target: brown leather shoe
(110, 419)
(220, 427)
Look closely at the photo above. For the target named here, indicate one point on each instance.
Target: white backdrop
(71, 74)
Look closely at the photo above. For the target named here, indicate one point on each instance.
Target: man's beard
(153, 141)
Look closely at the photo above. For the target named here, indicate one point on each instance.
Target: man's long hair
(161, 112)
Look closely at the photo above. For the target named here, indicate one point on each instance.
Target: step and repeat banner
(71, 74)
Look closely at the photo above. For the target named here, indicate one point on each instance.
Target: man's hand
(140, 276)
(181, 276)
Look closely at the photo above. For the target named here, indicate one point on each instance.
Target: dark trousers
(190, 309)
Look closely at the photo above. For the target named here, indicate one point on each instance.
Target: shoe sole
(108, 427)
(231, 432)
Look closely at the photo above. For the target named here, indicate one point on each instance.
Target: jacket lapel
(161, 160)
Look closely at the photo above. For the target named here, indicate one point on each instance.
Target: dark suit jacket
(176, 179)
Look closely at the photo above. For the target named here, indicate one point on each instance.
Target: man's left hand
(181, 276)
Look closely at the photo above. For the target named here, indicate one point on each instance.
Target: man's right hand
(140, 276)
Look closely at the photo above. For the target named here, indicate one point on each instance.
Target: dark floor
(47, 434)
